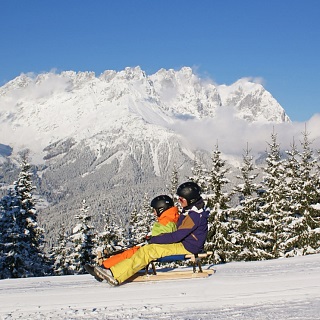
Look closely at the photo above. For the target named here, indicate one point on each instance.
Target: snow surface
(274, 289)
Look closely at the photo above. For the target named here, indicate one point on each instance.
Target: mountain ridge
(58, 106)
(111, 139)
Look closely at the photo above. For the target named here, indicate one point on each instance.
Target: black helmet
(190, 191)
(161, 204)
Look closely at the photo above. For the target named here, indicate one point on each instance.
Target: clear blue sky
(225, 40)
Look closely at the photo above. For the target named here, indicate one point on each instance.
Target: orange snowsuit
(166, 223)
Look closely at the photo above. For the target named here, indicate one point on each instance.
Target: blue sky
(277, 41)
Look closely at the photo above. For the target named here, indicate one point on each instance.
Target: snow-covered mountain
(112, 138)
(39, 111)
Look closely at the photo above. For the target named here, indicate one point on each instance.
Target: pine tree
(83, 238)
(292, 172)
(22, 250)
(245, 217)
(8, 207)
(317, 177)
(305, 229)
(200, 176)
(218, 222)
(174, 181)
(274, 210)
(114, 237)
(141, 222)
(60, 254)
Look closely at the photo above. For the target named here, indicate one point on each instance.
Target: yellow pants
(128, 267)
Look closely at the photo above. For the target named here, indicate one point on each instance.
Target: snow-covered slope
(245, 96)
(279, 289)
(38, 111)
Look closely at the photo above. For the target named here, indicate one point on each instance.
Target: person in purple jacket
(190, 236)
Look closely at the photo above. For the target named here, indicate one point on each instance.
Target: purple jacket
(192, 230)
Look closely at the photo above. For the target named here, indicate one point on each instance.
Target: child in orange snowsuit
(167, 216)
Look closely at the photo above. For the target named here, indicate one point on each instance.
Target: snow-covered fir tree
(22, 239)
(200, 176)
(317, 182)
(275, 209)
(305, 224)
(114, 236)
(174, 183)
(60, 254)
(219, 226)
(8, 205)
(83, 241)
(244, 218)
(141, 222)
(293, 184)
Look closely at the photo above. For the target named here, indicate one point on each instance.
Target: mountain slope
(51, 107)
(111, 139)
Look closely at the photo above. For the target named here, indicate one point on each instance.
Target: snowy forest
(277, 214)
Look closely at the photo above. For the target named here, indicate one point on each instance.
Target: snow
(274, 289)
(40, 110)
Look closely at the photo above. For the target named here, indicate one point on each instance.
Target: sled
(150, 273)
(173, 274)
(170, 275)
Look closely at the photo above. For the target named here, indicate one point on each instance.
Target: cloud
(258, 80)
(34, 87)
(232, 134)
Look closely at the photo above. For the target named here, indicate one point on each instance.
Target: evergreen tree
(247, 175)
(200, 176)
(22, 239)
(8, 205)
(113, 237)
(305, 228)
(245, 220)
(274, 211)
(174, 182)
(60, 254)
(292, 171)
(141, 222)
(218, 239)
(83, 240)
(317, 176)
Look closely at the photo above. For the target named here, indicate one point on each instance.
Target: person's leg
(128, 267)
(113, 260)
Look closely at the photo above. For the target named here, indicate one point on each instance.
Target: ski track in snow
(274, 289)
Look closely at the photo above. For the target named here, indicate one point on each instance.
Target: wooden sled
(170, 275)
(158, 275)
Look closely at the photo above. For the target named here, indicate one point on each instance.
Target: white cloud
(233, 134)
(258, 80)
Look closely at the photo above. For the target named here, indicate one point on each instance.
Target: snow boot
(90, 270)
(106, 274)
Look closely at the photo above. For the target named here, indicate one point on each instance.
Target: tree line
(275, 215)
